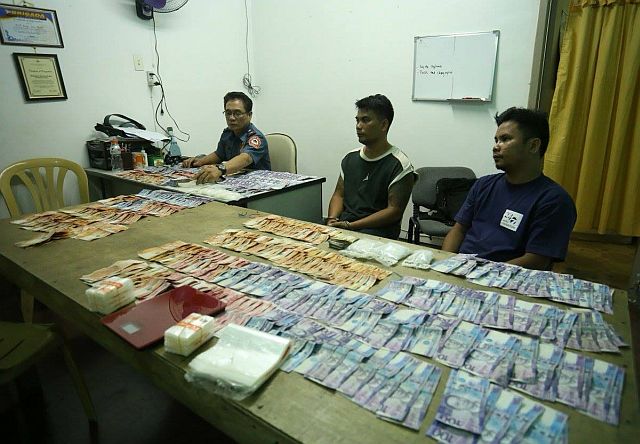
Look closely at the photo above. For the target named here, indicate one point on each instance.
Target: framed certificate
(20, 25)
(40, 76)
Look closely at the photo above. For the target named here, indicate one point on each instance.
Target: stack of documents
(110, 294)
(240, 362)
(189, 334)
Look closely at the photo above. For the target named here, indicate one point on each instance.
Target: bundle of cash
(575, 328)
(107, 295)
(188, 334)
(544, 284)
(473, 411)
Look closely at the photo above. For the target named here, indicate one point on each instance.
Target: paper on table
(240, 362)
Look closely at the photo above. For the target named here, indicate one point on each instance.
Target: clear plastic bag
(240, 362)
(386, 253)
(420, 259)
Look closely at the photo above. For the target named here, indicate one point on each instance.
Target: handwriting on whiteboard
(433, 70)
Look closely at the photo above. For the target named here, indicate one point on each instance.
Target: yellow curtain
(594, 151)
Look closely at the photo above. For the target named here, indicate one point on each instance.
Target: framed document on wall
(20, 25)
(40, 76)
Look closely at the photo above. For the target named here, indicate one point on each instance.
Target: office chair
(282, 152)
(433, 222)
(44, 179)
(21, 347)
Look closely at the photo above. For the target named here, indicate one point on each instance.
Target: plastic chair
(21, 347)
(44, 179)
(282, 152)
(429, 222)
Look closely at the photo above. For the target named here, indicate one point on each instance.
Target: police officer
(241, 144)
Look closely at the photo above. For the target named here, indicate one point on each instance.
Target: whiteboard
(455, 67)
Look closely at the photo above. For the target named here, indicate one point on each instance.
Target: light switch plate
(138, 64)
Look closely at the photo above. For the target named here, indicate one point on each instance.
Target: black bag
(450, 195)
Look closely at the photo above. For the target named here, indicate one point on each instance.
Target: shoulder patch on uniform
(255, 142)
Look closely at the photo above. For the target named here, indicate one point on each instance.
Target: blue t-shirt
(505, 221)
(250, 141)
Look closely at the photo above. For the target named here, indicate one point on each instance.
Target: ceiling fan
(146, 8)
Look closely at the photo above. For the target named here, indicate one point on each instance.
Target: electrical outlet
(152, 79)
(138, 64)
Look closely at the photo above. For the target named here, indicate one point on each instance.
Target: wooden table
(287, 408)
(301, 201)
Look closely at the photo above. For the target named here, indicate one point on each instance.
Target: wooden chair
(282, 152)
(21, 347)
(44, 178)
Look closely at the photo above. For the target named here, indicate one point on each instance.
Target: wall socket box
(138, 64)
(152, 79)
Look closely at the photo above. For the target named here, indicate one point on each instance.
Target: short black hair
(238, 95)
(532, 123)
(379, 104)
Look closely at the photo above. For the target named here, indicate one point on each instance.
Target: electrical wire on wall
(246, 80)
(163, 104)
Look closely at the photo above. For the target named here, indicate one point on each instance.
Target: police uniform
(250, 141)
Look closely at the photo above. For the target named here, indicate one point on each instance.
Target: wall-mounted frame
(20, 25)
(40, 76)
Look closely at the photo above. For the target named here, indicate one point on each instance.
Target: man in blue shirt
(520, 216)
(241, 144)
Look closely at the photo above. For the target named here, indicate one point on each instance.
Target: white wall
(312, 59)
(315, 59)
(200, 60)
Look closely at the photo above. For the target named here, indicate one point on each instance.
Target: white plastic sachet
(239, 363)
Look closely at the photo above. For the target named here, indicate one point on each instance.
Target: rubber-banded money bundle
(189, 334)
(108, 295)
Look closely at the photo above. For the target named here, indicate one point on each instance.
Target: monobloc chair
(282, 152)
(429, 221)
(44, 179)
(21, 347)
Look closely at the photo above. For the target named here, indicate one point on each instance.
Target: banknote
(455, 348)
(396, 291)
(342, 371)
(488, 352)
(549, 357)
(600, 396)
(425, 340)
(549, 427)
(463, 402)
(569, 385)
(295, 359)
(397, 405)
(447, 434)
(524, 369)
(366, 371)
(500, 417)
(390, 386)
(324, 367)
(418, 410)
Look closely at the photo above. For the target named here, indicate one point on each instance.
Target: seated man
(241, 144)
(520, 216)
(376, 180)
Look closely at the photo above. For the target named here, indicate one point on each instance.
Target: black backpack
(450, 195)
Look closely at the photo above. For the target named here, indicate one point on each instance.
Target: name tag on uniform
(511, 220)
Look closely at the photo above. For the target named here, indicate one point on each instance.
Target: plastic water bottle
(116, 155)
(174, 149)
